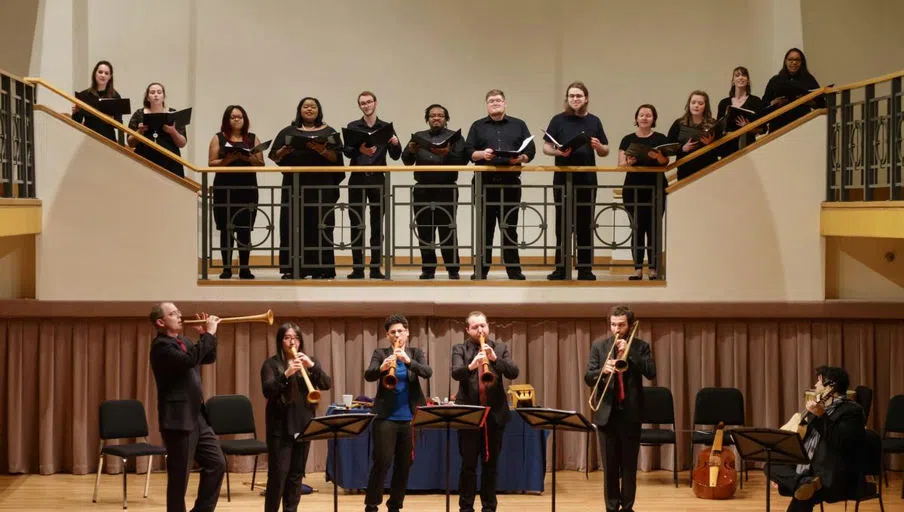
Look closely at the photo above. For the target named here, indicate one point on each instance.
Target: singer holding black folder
(394, 407)
(288, 413)
(308, 141)
(168, 136)
(698, 117)
(641, 187)
(502, 190)
(235, 194)
(363, 154)
(101, 87)
(435, 194)
(564, 127)
(793, 81)
(739, 97)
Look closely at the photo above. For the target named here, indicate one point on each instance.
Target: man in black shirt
(502, 189)
(435, 194)
(368, 155)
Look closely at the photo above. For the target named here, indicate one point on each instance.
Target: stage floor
(655, 493)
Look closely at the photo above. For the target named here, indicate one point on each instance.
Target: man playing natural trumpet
(398, 368)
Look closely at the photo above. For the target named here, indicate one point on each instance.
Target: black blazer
(283, 418)
(178, 374)
(384, 403)
(841, 435)
(640, 364)
(468, 385)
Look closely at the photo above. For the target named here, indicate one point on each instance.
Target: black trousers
(788, 481)
(471, 447)
(234, 213)
(620, 440)
(285, 470)
(582, 225)
(182, 447)
(392, 446)
(435, 213)
(357, 198)
(645, 233)
(502, 204)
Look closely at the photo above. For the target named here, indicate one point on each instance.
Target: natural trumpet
(621, 364)
(313, 393)
(266, 318)
(390, 380)
(488, 377)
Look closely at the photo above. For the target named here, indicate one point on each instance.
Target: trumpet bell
(488, 378)
(621, 365)
(390, 381)
(313, 396)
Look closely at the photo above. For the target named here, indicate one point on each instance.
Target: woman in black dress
(101, 87)
(640, 187)
(317, 258)
(288, 414)
(697, 114)
(235, 194)
(739, 97)
(170, 137)
(794, 80)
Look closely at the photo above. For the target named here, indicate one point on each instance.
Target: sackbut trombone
(266, 318)
(621, 364)
(488, 377)
(313, 393)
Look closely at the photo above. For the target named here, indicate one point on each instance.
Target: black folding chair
(659, 409)
(233, 414)
(894, 423)
(864, 397)
(124, 419)
(711, 406)
(869, 485)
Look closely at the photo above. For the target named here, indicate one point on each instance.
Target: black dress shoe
(475, 277)
(635, 277)
(376, 274)
(516, 276)
(286, 276)
(556, 275)
(426, 275)
(226, 273)
(453, 275)
(245, 274)
(586, 275)
(357, 274)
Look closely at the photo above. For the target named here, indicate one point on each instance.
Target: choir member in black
(563, 126)
(234, 194)
(500, 131)
(794, 80)
(697, 114)
(739, 97)
(394, 410)
(101, 87)
(176, 362)
(317, 257)
(640, 188)
(435, 194)
(170, 138)
(833, 442)
(619, 415)
(468, 360)
(287, 415)
(368, 155)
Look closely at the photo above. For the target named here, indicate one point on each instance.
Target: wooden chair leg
(125, 504)
(147, 481)
(100, 465)
(254, 472)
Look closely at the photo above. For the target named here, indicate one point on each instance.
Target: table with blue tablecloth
(521, 468)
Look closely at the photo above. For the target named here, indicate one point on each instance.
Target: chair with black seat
(659, 409)
(233, 414)
(869, 484)
(124, 419)
(894, 423)
(864, 397)
(711, 406)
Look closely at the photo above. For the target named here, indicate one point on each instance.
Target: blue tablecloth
(522, 462)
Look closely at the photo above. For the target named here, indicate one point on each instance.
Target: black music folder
(263, 146)
(509, 153)
(180, 118)
(379, 137)
(641, 150)
(301, 139)
(686, 133)
(109, 106)
(575, 142)
(427, 144)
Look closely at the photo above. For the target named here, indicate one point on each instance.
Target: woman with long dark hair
(739, 96)
(792, 81)
(170, 136)
(101, 87)
(235, 194)
(287, 415)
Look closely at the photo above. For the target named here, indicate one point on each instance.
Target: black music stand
(769, 445)
(335, 427)
(459, 417)
(555, 420)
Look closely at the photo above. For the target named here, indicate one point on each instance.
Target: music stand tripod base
(769, 445)
(336, 427)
